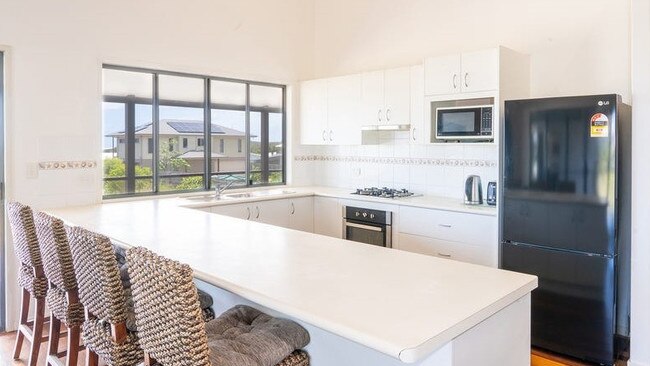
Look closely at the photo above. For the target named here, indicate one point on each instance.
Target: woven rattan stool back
(23, 232)
(167, 311)
(57, 258)
(98, 276)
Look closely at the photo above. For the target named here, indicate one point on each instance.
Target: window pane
(228, 115)
(180, 164)
(127, 115)
(266, 138)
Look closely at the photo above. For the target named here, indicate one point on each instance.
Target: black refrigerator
(565, 218)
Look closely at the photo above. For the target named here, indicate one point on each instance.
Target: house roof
(180, 127)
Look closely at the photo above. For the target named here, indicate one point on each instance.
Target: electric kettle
(473, 190)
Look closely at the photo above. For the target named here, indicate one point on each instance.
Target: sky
(113, 117)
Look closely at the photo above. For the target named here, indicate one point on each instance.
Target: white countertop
(430, 202)
(402, 304)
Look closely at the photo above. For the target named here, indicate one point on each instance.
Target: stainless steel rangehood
(387, 127)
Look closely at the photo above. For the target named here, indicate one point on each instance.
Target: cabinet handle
(324, 132)
(379, 115)
(293, 208)
(257, 208)
(453, 81)
(331, 136)
(388, 115)
(444, 255)
(413, 133)
(248, 217)
(444, 225)
(466, 75)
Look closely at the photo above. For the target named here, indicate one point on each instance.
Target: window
(163, 106)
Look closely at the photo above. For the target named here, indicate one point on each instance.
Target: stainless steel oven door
(375, 234)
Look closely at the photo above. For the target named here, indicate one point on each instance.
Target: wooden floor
(538, 358)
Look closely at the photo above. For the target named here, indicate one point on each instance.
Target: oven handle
(361, 226)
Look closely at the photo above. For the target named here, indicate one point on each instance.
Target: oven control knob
(372, 216)
(356, 214)
(365, 214)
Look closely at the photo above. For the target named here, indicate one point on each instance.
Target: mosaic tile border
(405, 161)
(64, 165)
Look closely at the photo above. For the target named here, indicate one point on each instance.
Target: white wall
(55, 51)
(640, 329)
(576, 46)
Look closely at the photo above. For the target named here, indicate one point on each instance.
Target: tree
(115, 168)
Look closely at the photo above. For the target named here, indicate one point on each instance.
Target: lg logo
(601, 103)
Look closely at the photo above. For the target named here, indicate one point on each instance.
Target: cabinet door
(272, 212)
(343, 102)
(372, 98)
(442, 75)
(301, 214)
(418, 132)
(480, 71)
(328, 217)
(397, 95)
(240, 211)
(313, 112)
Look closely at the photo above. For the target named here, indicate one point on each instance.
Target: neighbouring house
(185, 139)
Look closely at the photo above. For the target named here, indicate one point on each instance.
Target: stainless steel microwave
(464, 123)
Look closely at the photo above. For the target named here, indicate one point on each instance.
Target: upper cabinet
(386, 97)
(329, 110)
(478, 71)
(419, 129)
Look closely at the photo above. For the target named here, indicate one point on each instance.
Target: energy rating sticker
(599, 125)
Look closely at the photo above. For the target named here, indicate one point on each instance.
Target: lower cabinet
(294, 213)
(328, 217)
(446, 249)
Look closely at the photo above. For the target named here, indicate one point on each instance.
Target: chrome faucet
(219, 188)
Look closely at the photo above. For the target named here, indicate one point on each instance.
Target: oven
(367, 226)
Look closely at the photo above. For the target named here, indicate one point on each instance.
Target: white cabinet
(313, 112)
(386, 97)
(301, 214)
(462, 73)
(239, 211)
(343, 104)
(442, 75)
(480, 70)
(273, 212)
(463, 236)
(328, 217)
(329, 111)
(419, 132)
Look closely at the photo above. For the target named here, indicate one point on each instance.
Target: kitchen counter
(401, 304)
(430, 202)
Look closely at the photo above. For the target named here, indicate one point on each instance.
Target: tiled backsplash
(434, 169)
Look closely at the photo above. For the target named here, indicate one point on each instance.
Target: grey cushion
(244, 336)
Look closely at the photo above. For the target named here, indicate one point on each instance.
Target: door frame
(3, 286)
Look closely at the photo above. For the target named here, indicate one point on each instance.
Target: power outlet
(32, 171)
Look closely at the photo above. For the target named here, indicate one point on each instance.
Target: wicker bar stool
(62, 296)
(172, 332)
(31, 279)
(101, 292)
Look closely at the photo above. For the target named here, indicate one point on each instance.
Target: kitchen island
(363, 305)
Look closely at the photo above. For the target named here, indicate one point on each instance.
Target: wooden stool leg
(148, 360)
(39, 321)
(55, 334)
(91, 358)
(24, 313)
(73, 345)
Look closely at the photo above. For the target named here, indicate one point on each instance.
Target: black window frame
(207, 106)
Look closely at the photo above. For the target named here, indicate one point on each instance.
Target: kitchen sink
(232, 196)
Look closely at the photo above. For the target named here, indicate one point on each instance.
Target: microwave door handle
(365, 227)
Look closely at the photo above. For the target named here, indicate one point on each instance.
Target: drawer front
(447, 225)
(447, 249)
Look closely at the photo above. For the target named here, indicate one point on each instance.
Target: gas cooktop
(384, 192)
